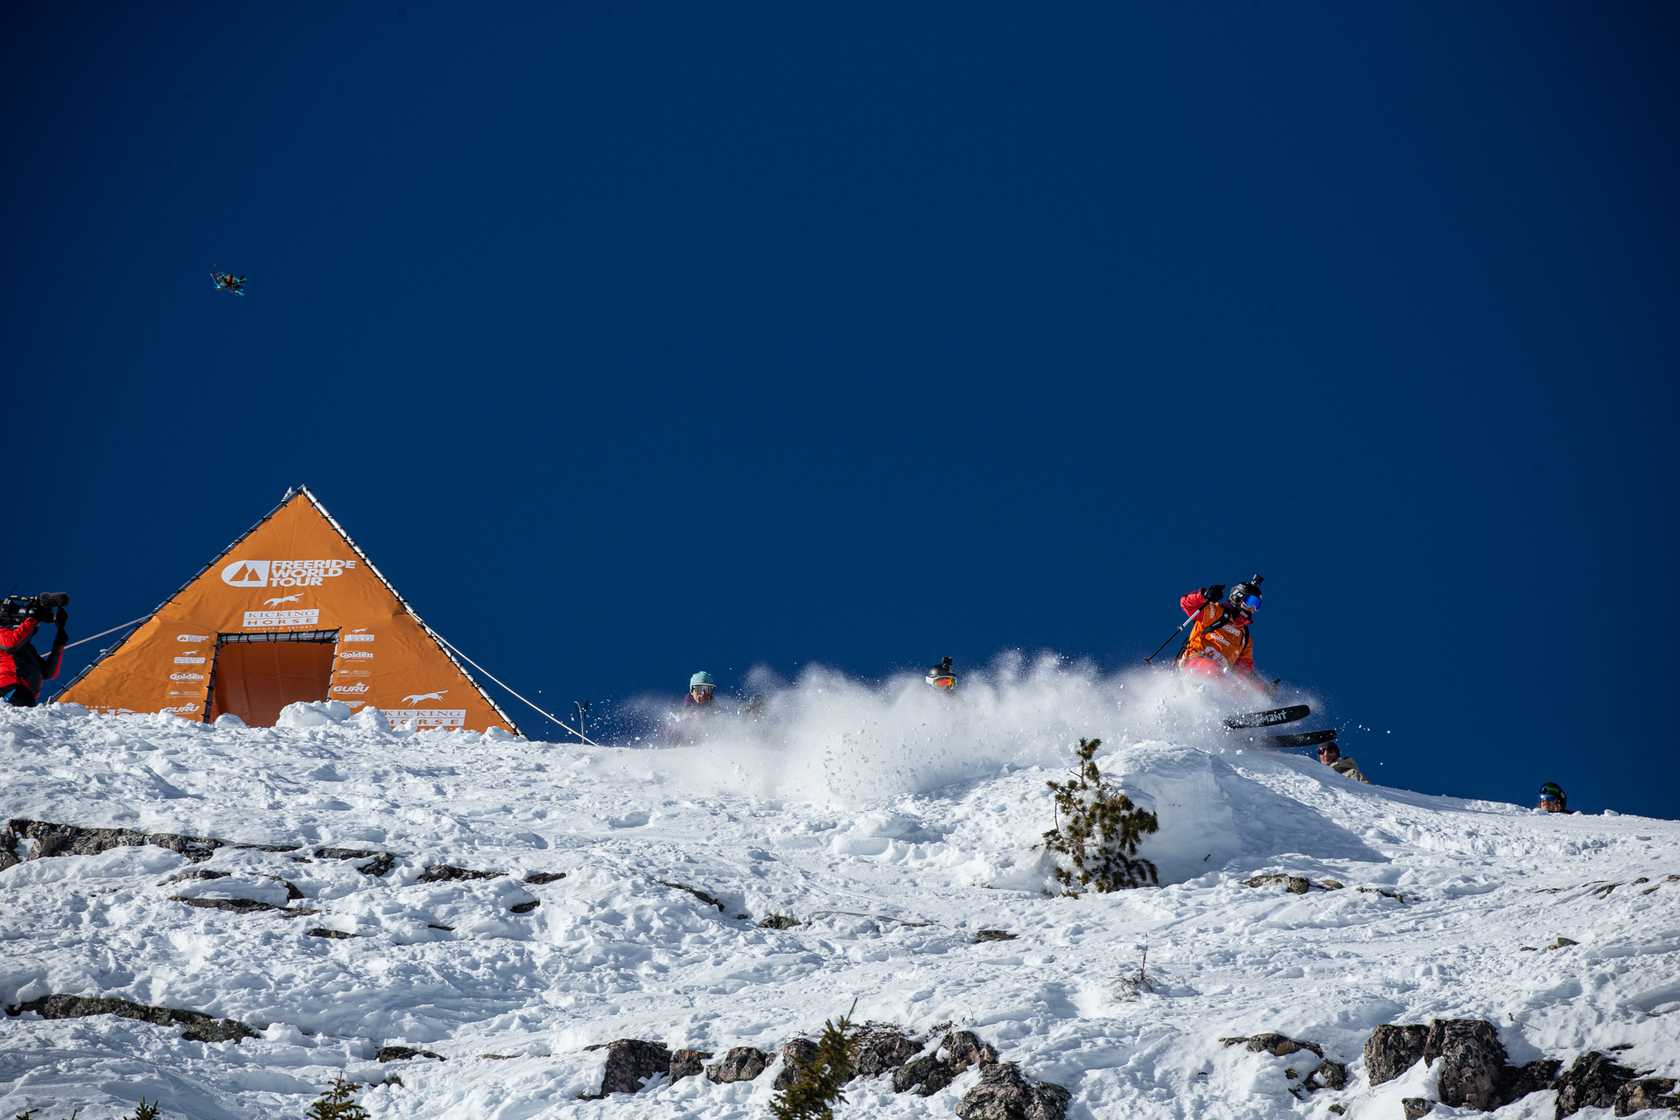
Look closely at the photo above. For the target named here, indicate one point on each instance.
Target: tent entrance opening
(256, 675)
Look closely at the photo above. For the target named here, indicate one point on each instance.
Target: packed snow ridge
(226, 918)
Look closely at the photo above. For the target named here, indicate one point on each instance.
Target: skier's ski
(1269, 717)
(1303, 738)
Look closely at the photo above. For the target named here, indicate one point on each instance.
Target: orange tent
(290, 611)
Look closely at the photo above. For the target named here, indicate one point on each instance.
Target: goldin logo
(186, 676)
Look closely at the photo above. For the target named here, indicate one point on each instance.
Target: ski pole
(1170, 637)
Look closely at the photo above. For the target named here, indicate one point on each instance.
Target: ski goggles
(1251, 604)
(703, 689)
(947, 682)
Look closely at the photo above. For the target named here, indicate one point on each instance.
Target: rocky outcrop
(1593, 1081)
(631, 1063)
(1004, 1094)
(330, 934)
(525, 907)
(778, 921)
(704, 896)
(1413, 1108)
(878, 1048)
(1472, 1062)
(1649, 1092)
(1535, 1077)
(54, 839)
(243, 906)
(740, 1063)
(993, 935)
(404, 1054)
(379, 864)
(688, 1063)
(958, 1051)
(538, 878)
(795, 1055)
(1277, 1045)
(195, 1024)
(1294, 884)
(448, 873)
(1392, 1050)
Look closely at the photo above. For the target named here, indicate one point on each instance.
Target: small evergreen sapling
(144, 1111)
(1097, 832)
(816, 1089)
(338, 1102)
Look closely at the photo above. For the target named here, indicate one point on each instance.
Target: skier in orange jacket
(1220, 642)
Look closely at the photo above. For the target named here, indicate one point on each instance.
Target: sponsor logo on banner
(356, 655)
(419, 696)
(279, 599)
(352, 672)
(283, 573)
(422, 719)
(359, 634)
(178, 692)
(186, 676)
(189, 661)
(185, 709)
(351, 689)
(268, 620)
(192, 637)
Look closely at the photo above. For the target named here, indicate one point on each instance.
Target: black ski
(1269, 717)
(1303, 738)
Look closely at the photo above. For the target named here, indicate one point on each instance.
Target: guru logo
(185, 709)
(351, 689)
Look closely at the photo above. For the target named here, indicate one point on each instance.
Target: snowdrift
(504, 905)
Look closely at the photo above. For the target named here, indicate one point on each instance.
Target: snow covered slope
(893, 823)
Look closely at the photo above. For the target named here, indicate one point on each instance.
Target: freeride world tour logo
(283, 573)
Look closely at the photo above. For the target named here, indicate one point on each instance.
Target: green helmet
(702, 679)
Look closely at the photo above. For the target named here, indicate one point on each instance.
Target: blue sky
(634, 339)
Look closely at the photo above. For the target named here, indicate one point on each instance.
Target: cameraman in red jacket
(22, 668)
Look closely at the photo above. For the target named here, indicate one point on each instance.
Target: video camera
(42, 608)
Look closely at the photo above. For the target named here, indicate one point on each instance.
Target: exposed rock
(292, 892)
(538, 878)
(1003, 1094)
(446, 873)
(796, 1055)
(994, 935)
(435, 925)
(957, 1052)
(1295, 884)
(9, 842)
(379, 864)
(630, 1063)
(1650, 1092)
(1277, 1045)
(1473, 1062)
(52, 839)
(196, 1025)
(877, 1048)
(1385, 892)
(778, 921)
(740, 1063)
(323, 931)
(703, 896)
(1561, 943)
(1328, 1075)
(1331, 884)
(404, 1054)
(1519, 1081)
(194, 875)
(243, 906)
(525, 907)
(1392, 1050)
(688, 1063)
(1592, 1082)
(1414, 1107)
